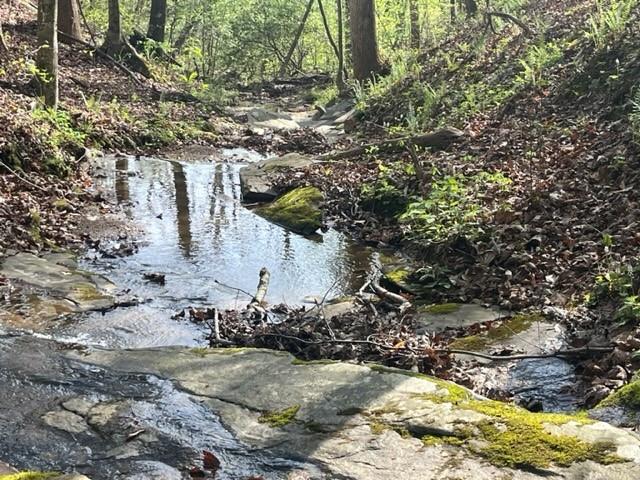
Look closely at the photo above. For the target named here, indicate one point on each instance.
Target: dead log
(509, 18)
(439, 140)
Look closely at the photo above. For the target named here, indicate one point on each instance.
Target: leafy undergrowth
(541, 195)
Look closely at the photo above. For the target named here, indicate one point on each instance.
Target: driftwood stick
(510, 18)
(439, 140)
(263, 285)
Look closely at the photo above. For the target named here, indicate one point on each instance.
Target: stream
(209, 246)
(197, 233)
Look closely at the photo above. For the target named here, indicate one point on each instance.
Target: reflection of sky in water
(205, 234)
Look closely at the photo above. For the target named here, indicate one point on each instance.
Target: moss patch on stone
(398, 276)
(29, 476)
(516, 438)
(627, 396)
(504, 331)
(280, 418)
(297, 210)
(442, 309)
(297, 361)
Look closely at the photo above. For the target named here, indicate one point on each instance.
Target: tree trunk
(453, 11)
(157, 20)
(4, 48)
(471, 6)
(116, 45)
(69, 19)
(364, 42)
(414, 13)
(47, 56)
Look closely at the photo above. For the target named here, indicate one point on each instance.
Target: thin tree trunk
(414, 14)
(341, 75)
(287, 59)
(453, 11)
(69, 18)
(184, 35)
(4, 48)
(364, 42)
(157, 20)
(327, 30)
(47, 56)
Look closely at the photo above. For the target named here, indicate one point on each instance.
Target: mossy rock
(628, 397)
(506, 330)
(297, 210)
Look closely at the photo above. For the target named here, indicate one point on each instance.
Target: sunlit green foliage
(610, 21)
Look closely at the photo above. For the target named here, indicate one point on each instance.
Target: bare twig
(239, 290)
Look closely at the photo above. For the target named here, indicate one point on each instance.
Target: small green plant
(450, 209)
(536, 60)
(609, 22)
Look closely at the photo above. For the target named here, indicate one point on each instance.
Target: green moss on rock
(280, 418)
(627, 396)
(297, 210)
(504, 331)
(443, 308)
(28, 476)
(514, 437)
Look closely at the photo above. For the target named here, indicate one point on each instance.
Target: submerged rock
(437, 318)
(297, 210)
(50, 286)
(257, 179)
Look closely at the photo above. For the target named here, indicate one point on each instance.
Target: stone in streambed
(257, 180)
(297, 210)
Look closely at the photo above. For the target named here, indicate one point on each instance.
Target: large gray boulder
(370, 422)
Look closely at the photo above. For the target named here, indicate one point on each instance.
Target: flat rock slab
(349, 419)
(50, 286)
(261, 118)
(440, 317)
(257, 179)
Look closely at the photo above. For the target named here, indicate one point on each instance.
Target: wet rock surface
(48, 286)
(347, 418)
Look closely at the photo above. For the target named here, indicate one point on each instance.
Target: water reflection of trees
(182, 209)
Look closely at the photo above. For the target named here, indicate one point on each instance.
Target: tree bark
(364, 42)
(157, 20)
(414, 14)
(69, 18)
(116, 45)
(47, 56)
(453, 10)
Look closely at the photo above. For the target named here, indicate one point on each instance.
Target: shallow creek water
(198, 232)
